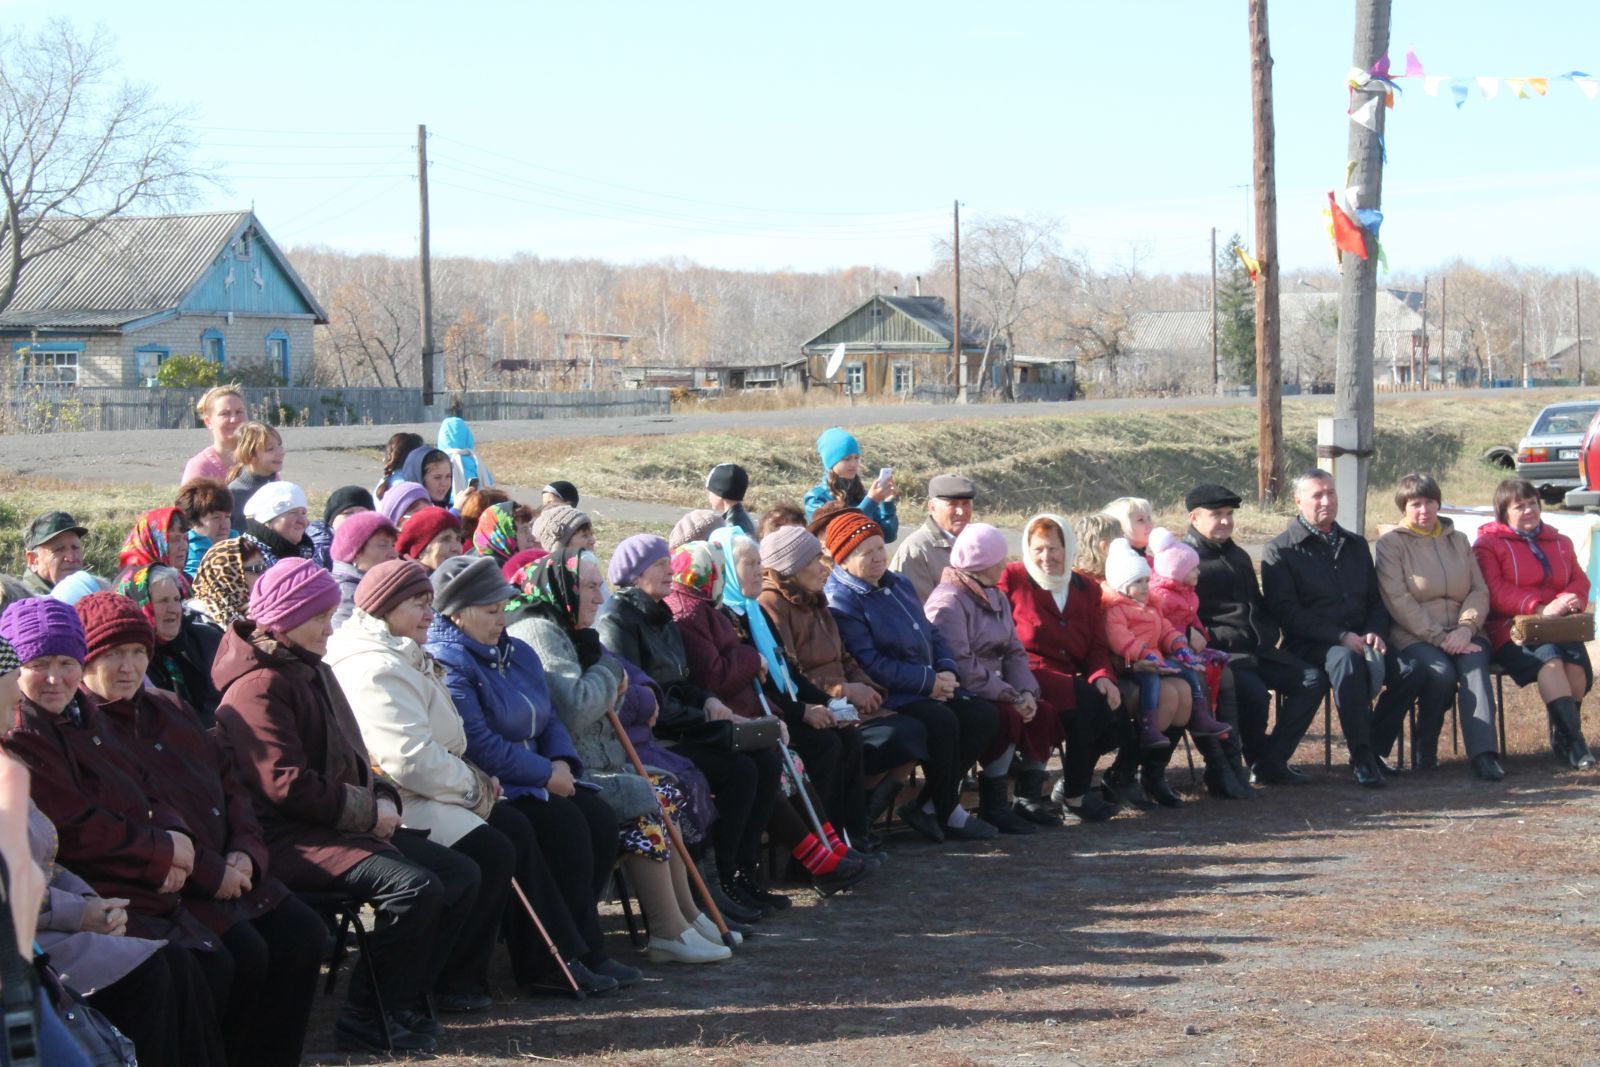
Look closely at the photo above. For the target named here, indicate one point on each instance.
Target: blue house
(109, 308)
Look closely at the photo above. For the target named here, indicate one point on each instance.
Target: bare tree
(77, 148)
(1000, 267)
(1098, 323)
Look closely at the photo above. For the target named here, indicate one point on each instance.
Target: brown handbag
(1552, 629)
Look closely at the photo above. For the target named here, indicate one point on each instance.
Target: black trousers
(276, 958)
(164, 1007)
(423, 894)
(466, 971)
(958, 732)
(1092, 729)
(745, 787)
(1302, 686)
(579, 834)
(833, 763)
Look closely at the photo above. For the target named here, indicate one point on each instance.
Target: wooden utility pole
(1444, 381)
(1358, 281)
(1424, 335)
(1214, 375)
(1577, 308)
(956, 353)
(1269, 372)
(1522, 333)
(425, 268)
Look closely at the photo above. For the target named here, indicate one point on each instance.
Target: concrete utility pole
(1214, 375)
(425, 268)
(1346, 440)
(956, 353)
(1269, 370)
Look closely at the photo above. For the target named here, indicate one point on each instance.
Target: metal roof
(930, 313)
(1170, 331)
(128, 268)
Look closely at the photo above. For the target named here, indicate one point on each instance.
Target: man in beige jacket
(925, 553)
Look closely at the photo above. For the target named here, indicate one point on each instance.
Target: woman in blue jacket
(514, 734)
(882, 625)
(841, 480)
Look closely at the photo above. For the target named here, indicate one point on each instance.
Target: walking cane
(712, 910)
(795, 775)
(555, 953)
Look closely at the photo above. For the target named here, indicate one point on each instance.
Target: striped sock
(835, 842)
(815, 856)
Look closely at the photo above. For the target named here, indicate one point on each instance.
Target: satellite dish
(835, 361)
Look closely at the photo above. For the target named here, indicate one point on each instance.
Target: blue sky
(825, 134)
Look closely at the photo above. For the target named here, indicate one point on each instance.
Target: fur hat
(1124, 565)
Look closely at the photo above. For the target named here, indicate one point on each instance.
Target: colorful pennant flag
(1367, 114)
(1251, 266)
(1347, 236)
(1413, 66)
(1370, 219)
(1490, 86)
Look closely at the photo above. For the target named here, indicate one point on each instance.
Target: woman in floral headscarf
(496, 534)
(555, 614)
(221, 593)
(186, 644)
(160, 537)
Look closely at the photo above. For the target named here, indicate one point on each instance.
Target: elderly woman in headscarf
(555, 615)
(221, 592)
(734, 669)
(831, 749)
(185, 644)
(496, 532)
(974, 618)
(160, 537)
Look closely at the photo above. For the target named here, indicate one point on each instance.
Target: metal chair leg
(1500, 708)
(365, 948)
(619, 885)
(1327, 731)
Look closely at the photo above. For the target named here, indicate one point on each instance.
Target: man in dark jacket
(1237, 619)
(1320, 584)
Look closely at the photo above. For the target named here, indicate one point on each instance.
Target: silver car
(1547, 455)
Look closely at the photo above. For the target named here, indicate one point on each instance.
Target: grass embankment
(1070, 464)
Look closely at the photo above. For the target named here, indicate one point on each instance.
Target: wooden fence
(109, 409)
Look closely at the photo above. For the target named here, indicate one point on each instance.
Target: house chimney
(919, 285)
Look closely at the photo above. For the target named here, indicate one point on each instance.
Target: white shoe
(687, 947)
(707, 929)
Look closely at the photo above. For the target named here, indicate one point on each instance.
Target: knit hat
(111, 619)
(565, 490)
(292, 591)
(513, 566)
(835, 444)
(1124, 565)
(8, 658)
(345, 498)
(400, 496)
(556, 524)
(634, 556)
(695, 525)
(41, 626)
(273, 500)
(421, 528)
(729, 481)
(466, 582)
(1210, 495)
(77, 585)
(354, 533)
(1171, 557)
(789, 548)
(846, 532)
(978, 547)
(390, 584)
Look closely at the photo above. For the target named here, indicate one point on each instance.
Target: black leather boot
(1218, 777)
(1566, 733)
(1030, 803)
(1153, 776)
(995, 810)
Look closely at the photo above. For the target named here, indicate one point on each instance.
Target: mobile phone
(884, 474)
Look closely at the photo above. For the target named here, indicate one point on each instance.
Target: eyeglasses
(258, 567)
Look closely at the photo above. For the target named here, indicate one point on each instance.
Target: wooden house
(894, 346)
(108, 308)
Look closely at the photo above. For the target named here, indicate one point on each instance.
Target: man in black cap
(925, 552)
(725, 489)
(54, 548)
(1232, 609)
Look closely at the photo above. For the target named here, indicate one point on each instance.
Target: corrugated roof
(1170, 331)
(126, 269)
(933, 313)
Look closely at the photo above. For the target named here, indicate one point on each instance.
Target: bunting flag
(1380, 77)
(1413, 66)
(1347, 236)
(1367, 114)
(1251, 266)
(1369, 219)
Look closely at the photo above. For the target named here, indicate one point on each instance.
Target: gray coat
(582, 698)
(922, 558)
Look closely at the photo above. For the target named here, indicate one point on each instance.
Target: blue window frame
(278, 354)
(147, 360)
(47, 363)
(214, 346)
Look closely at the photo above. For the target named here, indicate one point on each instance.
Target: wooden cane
(555, 953)
(672, 832)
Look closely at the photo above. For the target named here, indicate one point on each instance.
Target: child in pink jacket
(1149, 647)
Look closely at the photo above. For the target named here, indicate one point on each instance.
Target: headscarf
(695, 566)
(220, 583)
(496, 534)
(147, 542)
(727, 540)
(550, 587)
(134, 583)
(1057, 585)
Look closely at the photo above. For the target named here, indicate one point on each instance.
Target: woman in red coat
(272, 936)
(1532, 569)
(1058, 618)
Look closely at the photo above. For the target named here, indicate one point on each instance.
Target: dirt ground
(1440, 920)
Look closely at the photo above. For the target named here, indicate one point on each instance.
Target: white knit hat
(1124, 565)
(272, 500)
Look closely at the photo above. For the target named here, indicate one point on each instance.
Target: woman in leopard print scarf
(223, 582)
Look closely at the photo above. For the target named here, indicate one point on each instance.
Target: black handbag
(102, 1044)
(736, 735)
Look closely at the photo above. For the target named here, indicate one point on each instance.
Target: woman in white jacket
(412, 732)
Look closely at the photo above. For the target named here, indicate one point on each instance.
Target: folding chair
(343, 916)
(638, 925)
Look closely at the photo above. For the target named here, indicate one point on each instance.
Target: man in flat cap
(725, 488)
(1233, 610)
(925, 553)
(54, 547)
